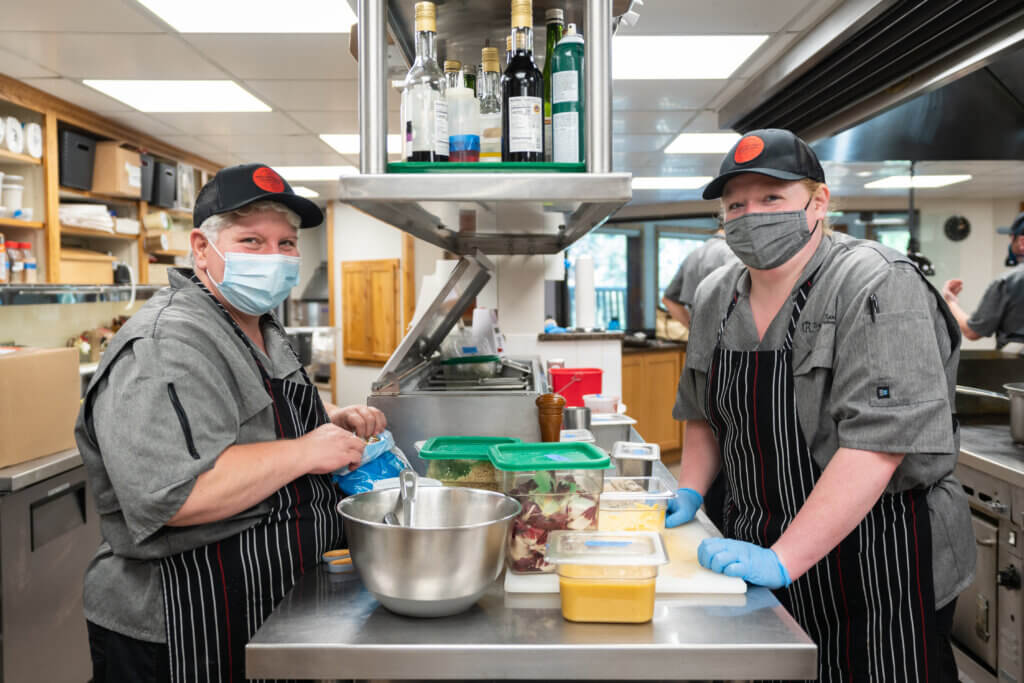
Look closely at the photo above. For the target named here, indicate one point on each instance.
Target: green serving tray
(484, 167)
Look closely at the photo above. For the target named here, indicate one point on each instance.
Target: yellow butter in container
(633, 504)
(607, 577)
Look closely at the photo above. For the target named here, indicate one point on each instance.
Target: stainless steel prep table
(988, 448)
(329, 627)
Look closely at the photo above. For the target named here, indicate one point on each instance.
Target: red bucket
(573, 383)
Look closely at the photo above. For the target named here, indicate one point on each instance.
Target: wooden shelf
(174, 213)
(86, 232)
(27, 225)
(72, 193)
(169, 252)
(12, 158)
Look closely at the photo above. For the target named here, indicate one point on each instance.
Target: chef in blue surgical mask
(208, 448)
(819, 378)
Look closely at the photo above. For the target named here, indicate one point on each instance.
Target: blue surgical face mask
(256, 283)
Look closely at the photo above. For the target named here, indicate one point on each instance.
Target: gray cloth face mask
(767, 240)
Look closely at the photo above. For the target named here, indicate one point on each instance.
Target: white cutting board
(682, 575)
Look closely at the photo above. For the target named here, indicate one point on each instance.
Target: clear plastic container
(634, 504)
(601, 403)
(463, 125)
(607, 577)
(634, 459)
(463, 460)
(577, 436)
(559, 486)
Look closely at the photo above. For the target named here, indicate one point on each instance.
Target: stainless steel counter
(988, 448)
(22, 475)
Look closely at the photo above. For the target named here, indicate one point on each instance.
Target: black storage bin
(76, 156)
(146, 161)
(165, 184)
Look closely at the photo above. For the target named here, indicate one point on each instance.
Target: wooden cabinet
(370, 310)
(649, 382)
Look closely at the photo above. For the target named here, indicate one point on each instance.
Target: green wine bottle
(554, 20)
(567, 101)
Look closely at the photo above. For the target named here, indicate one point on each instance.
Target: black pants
(944, 629)
(118, 658)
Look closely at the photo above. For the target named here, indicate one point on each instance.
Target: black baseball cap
(1017, 227)
(772, 152)
(237, 186)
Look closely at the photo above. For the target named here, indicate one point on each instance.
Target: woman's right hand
(329, 448)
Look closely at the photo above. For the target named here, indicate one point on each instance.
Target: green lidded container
(559, 486)
(463, 460)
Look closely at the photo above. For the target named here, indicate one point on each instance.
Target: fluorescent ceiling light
(349, 143)
(863, 174)
(902, 182)
(679, 57)
(254, 16)
(702, 143)
(180, 96)
(305, 192)
(310, 173)
(671, 183)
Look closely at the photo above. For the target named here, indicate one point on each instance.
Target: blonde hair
(215, 224)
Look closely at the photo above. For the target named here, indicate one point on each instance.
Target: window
(672, 251)
(608, 249)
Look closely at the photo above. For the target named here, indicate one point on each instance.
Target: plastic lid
(470, 360)
(462, 447)
(629, 548)
(636, 488)
(531, 457)
(606, 419)
(584, 435)
(452, 65)
(631, 450)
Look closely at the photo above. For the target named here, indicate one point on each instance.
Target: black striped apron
(869, 604)
(216, 596)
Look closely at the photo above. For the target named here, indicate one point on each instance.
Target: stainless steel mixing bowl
(442, 564)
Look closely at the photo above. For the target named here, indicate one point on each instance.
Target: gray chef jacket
(176, 387)
(713, 254)
(1001, 311)
(875, 355)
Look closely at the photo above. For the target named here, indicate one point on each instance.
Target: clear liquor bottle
(522, 93)
(424, 109)
(452, 74)
(490, 106)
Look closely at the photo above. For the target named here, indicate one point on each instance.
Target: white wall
(313, 247)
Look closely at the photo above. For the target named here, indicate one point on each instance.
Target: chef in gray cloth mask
(209, 450)
(1001, 311)
(819, 377)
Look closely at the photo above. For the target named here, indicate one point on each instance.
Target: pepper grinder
(549, 415)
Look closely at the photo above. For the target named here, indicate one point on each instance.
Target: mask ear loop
(207, 270)
(807, 206)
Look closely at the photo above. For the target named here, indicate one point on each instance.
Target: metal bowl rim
(478, 525)
(1017, 387)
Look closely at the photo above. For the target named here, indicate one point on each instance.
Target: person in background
(1001, 311)
(209, 450)
(820, 375)
(679, 295)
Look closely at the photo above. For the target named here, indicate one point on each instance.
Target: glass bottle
(554, 20)
(424, 109)
(452, 73)
(522, 93)
(490, 106)
(508, 50)
(469, 72)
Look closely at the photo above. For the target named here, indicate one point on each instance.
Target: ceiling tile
(327, 158)
(812, 13)
(102, 16)
(263, 144)
(663, 95)
(231, 123)
(730, 90)
(705, 122)
(650, 122)
(337, 121)
(769, 51)
(309, 95)
(306, 56)
(700, 17)
(111, 55)
(144, 122)
(640, 143)
(79, 94)
(18, 67)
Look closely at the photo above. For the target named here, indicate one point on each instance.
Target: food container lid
(470, 360)
(583, 435)
(631, 450)
(615, 548)
(636, 488)
(610, 420)
(462, 447)
(530, 457)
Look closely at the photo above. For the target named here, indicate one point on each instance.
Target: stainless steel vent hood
(870, 56)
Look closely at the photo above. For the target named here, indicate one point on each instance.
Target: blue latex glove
(752, 563)
(683, 507)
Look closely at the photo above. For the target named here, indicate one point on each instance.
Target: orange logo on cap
(748, 149)
(267, 179)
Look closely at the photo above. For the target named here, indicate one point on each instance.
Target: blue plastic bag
(381, 460)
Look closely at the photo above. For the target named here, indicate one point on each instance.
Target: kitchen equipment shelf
(71, 193)
(584, 200)
(86, 232)
(13, 158)
(27, 225)
(169, 252)
(483, 167)
(26, 295)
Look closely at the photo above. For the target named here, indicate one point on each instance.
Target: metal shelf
(585, 200)
(28, 295)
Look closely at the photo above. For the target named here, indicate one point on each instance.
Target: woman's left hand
(752, 563)
(361, 420)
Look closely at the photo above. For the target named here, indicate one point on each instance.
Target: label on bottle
(490, 137)
(566, 131)
(419, 102)
(565, 87)
(526, 124)
(441, 127)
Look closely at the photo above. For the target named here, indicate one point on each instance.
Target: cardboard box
(39, 399)
(84, 267)
(116, 171)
